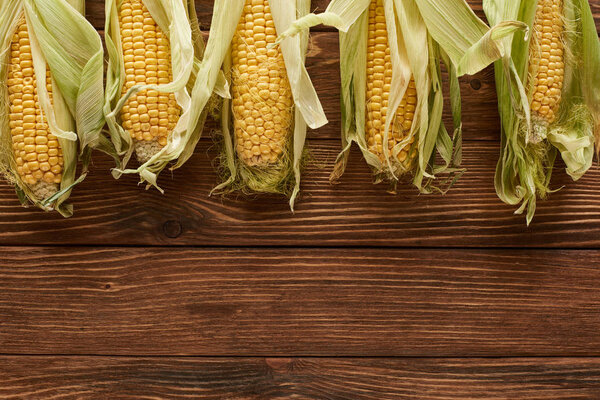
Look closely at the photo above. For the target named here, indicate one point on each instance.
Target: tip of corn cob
(144, 150)
(44, 190)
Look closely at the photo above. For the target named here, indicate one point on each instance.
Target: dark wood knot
(172, 229)
(475, 84)
(278, 364)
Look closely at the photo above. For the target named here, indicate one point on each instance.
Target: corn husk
(178, 20)
(529, 149)
(422, 35)
(284, 177)
(64, 41)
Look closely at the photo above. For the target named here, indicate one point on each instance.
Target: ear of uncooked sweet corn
(390, 53)
(37, 152)
(51, 100)
(273, 101)
(547, 95)
(159, 84)
(261, 95)
(148, 116)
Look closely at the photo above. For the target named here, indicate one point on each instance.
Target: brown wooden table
(358, 295)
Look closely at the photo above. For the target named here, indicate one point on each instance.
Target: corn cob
(379, 80)
(406, 53)
(546, 66)
(560, 69)
(261, 94)
(38, 155)
(148, 116)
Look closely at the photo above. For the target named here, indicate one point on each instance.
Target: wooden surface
(357, 295)
(299, 378)
(354, 213)
(299, 302)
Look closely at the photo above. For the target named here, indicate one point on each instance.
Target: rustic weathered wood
(356, 212)
(331, 302)
(305, 378)
(285, 302)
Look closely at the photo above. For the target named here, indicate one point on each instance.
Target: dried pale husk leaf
(283, 177)
(75, 59)
(341, 14)
(589, 69)
(353, 64)
(468, 41)
(79, 5)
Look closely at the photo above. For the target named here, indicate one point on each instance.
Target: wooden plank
(299, 302)
(305, 378)
(354, 213)
(95, 11)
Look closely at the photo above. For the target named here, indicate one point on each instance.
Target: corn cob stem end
(44, 190)
(145, 150)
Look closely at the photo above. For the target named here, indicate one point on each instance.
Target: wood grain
(354, 213)
(208, 308)
(299, 302)
(303, 378)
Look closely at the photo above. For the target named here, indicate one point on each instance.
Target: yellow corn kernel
(32, 141)
(379, 80)
(262, 100)
(546, 66)
(147, 58)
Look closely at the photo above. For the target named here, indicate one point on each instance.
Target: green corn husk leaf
(529, 148)
(64, 42)
(193, 83)
(283, 177)
(589, 69)
(422, 34)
